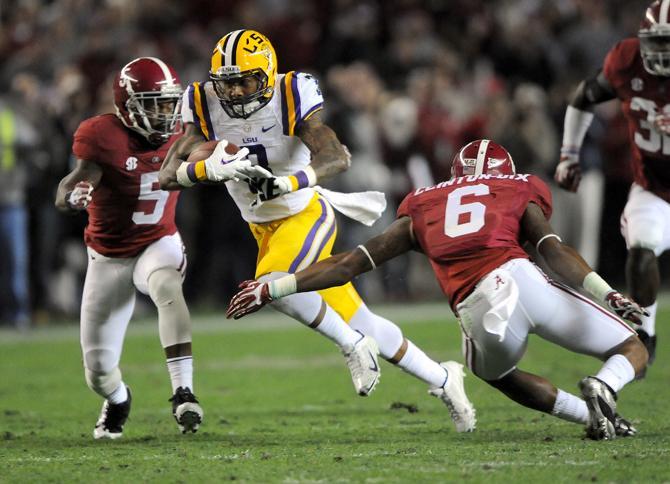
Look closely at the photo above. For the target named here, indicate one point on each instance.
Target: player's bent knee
(165, 286)
(103, 383)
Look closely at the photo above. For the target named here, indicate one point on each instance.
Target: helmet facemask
(155, 115)
(655, 50)
(242, 106)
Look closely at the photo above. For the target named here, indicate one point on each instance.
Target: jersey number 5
(147, 192)
(455, 209)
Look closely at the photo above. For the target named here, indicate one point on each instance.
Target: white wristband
(596, 285)
(283, 286)
(182, 176)
(575, 126)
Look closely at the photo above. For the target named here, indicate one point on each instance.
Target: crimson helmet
(147, 97)
(654, 35)
(482, 157)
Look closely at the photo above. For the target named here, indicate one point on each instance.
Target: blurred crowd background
(406, 83)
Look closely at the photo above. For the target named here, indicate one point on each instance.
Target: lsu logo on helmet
(245, 58)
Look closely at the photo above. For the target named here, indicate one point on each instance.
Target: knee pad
(103, 383)
(165, 286)
(174, 320)
(388, 336)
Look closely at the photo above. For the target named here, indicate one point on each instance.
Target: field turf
(279, 407)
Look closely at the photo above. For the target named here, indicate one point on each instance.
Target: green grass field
(279, 406)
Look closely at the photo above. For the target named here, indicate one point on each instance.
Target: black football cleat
(112, 418)
(186, 410)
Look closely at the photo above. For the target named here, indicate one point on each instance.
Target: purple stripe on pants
(309, 240)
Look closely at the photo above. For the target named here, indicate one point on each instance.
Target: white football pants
(518, 299)
(109, 297)
(645, 221)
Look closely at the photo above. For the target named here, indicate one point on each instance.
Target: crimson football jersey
(469, 226)
(642, 96)
(129, 210)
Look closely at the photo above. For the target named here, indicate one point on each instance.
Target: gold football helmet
(247, 59)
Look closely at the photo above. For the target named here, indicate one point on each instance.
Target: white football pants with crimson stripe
(109, 297)
(517, 299)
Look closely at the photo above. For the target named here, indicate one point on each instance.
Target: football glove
(80, 197)
(568, 172)
(253, 296)
(625, 308)
(222, 166)
(265, 184)
(662, 122)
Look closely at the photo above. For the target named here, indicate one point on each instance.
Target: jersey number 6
(454, 210)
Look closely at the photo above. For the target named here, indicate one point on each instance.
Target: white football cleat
(111, 420)
(453, 395)
(602, 409)
(186, 410)
(363, 364)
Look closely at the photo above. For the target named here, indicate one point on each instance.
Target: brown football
(205, 149)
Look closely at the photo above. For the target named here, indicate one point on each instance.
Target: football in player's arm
(637, 72)
(504, 291)
(131, 237)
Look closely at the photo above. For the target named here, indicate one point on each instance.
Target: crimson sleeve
(85, 144)
(540, 195)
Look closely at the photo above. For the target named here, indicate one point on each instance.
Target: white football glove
(81, 196)
(222, 166)
(662, 122)
(568, 172)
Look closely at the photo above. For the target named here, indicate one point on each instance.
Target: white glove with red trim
(253, 296)
(80, 197)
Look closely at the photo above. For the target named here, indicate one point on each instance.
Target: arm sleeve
(85, 143)
(540, 195)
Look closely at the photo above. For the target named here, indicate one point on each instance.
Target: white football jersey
(269, 134)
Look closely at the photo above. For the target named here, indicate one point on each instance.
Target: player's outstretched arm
(578, 117)
(75, 190)
(178, 152)
(334, 271)
(567, 263)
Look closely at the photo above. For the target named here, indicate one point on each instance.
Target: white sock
(417, 363)
(571, 408)
(119, 395)
(649, 322)
(333, 327)
(181, 372)
(616, 372)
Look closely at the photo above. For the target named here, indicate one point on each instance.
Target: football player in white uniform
(276, 120)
